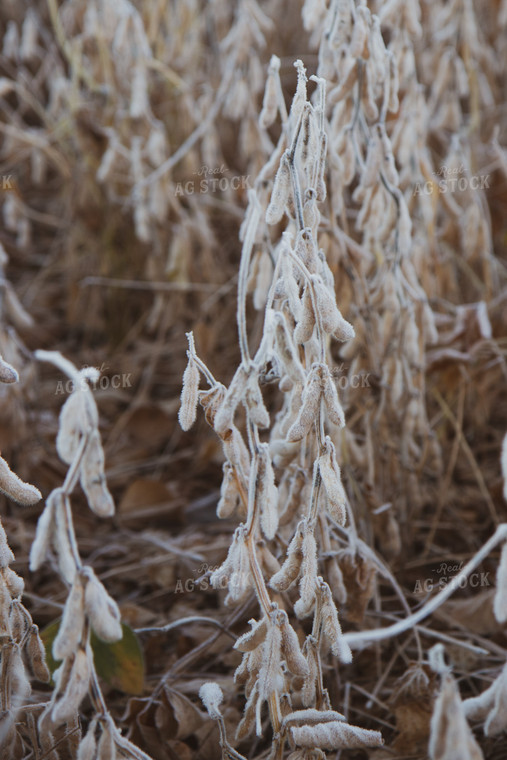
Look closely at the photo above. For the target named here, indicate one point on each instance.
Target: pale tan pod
(304, 328)
(93, 479)
(88, 745)
(291, 650)
(332, 629)
(73, 620)
(270, 677)
(331, 479)
(60, 537)
(266, 492)
(253, 638)
(36, 653)
(280, 193)
(13, 581)
(106, 749)
(255, 403)
(321, 188)
(394, 85)
(348, 81)
(360, 32)
(308, 583)
(189, 395)
(229, 493)
(72, 424)
(76, 688)
(270, 102)
(373, 161)
(311, 213)
(247, 722)
(101, 609)
(312, 658)
(224, 417)
(333, 406)
(15, 488)
(291, 568)
(6, 554)
(310, 402)
(335, 735)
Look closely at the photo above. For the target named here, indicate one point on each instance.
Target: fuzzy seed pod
(235, 570)
(224, 418)
(266, 492)
(92, 477)
(249, 715)
(291, 650)
(304, 329)
(6, 555)
(77, 416)
(14, 582)
(312, 716)
(37, 655)
(255, 403)
(335, 735)
(308, 583)
(306, 249)
(331, 479)
(253, 638)
(73, 620)
(291, 568)
(101, 609)
(321, 188)
(15, 488)
(139, 100)
(270, 102)
(60, 537)
(333, 406)
(270, 675)
(88, 745)
(76, 688)
(331, 627)
(106, 749)
(229, 494)
(280, 193)
(360, 32)
(308, 142)
(211, 401)
(310, 650)
(310, 402)
(212, 697)
(189, 395)
(348, 81)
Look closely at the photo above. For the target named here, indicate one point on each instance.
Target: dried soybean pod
(331, 479)
(280, 193)
(253, 638)
(304, 328)
(291, 650)
(270, 102)
(189, 395)
(310, 401)
(291, 568)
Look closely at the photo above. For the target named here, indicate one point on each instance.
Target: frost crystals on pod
(189, 395)
(331, 479)
(280, 193)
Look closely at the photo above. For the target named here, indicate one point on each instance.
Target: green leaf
(120, 663)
